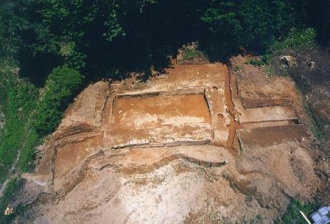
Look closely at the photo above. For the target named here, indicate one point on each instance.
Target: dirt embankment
(309, 67)
(196, 145)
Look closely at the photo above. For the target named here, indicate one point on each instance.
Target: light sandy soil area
(199, 144)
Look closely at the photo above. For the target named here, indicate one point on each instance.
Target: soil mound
(199, 144)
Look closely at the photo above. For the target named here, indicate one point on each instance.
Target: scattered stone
(9, 211)
(169, 140)
(133, 142)
(163, 76)
(40, 183)
(188, 136)
(289, 61)
(312, 65)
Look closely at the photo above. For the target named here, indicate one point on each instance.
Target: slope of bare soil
(199, 144)
(314, 82)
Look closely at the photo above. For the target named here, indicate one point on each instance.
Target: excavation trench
(270, 123)
(273, 113)
(146, 153)
(230, 109)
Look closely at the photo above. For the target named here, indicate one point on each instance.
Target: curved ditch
(168, 159)
(78, 176)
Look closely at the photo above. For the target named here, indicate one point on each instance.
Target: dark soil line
(104, 106)
(187, 91)
(264, 102)
(161, 144)
(249, 125)
(112, 101)
(168, 159)
(231, 109)
(76, 138)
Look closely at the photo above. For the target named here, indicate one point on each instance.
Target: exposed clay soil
(200, 144)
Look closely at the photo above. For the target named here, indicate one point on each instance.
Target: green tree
(223, 23)
(252, 24)
(61, 85)
(13, 20)
(66, 24)
(99, 37)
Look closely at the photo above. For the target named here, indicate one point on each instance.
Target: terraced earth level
(195, 112)
(189, 146)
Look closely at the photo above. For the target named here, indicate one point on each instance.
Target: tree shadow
(37, 68)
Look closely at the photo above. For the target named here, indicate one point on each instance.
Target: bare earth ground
(315, 84)
(200, 144)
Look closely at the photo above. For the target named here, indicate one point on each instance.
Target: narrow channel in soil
(230, 108)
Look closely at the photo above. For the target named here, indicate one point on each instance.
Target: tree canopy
(102, 38)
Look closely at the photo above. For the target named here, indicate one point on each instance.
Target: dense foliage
(252, 25)
(108, 37)
(60, 86)
(17, 138)
(18, 99)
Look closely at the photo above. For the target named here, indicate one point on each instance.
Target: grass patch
(28, 154)
(18, 100)
(295, 38)
(237, 68)
(193, 53)
(292, 215)
(18, 105)
(269, 71)
(256, 62)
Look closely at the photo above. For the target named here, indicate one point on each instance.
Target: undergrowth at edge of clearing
(29, 117)
(18, 100)
(295, 38)
(292, 214)
(193, 53)
(12, 187)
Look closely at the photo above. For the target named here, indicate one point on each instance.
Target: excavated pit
(189, 146)
(160, 119)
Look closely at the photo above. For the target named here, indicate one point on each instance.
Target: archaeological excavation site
(199, 143)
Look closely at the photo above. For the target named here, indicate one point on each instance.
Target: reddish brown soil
(140, 117)
(184, 147)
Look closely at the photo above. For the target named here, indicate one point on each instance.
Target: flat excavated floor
(185, 106)
(160, 118)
